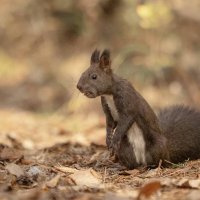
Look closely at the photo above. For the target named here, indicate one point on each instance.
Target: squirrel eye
(94, 76)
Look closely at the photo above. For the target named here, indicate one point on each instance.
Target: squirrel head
(97, 79)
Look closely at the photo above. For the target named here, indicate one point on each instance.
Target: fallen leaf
(194, 195)
(95, 174)
(151, 173)
(168, 182)
(53, 182)
(26, 161)
(10, 154)
(66, 169)
(195, 184)
(14, 169)
(149, 189)
(86, 178)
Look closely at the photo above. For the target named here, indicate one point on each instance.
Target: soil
(41, 159)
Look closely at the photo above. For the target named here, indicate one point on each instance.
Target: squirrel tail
(181, 126)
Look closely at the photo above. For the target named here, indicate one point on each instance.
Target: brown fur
(174, 135)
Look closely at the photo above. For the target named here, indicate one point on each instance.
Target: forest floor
(42, 158)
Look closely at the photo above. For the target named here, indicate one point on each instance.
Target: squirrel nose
(79, 87)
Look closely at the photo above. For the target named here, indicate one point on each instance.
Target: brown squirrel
(134, 133)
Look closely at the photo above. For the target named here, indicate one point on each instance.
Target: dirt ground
(42, 158)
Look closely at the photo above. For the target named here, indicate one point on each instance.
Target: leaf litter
(14, 169)
(72, 170)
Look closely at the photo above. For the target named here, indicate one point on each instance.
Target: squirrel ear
(95, 57)
(105, 62)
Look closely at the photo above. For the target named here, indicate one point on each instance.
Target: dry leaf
(86, 178)
(14, 169)
(26, 161)
(53, 182)
(10, 154)
(95, 174)
(194, 195)
(66, 169)
(168, 182)
(149, 189)
(195, 184)
(151, 173)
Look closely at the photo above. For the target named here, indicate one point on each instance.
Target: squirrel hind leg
(126, 154)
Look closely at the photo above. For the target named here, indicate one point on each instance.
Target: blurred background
(46, 45)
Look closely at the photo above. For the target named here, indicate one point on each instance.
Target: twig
(104, 176)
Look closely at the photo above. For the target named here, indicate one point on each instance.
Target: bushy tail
(181, 127)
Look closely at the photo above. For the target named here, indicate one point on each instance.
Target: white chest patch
(136, 138)
(135, 134)
(112, 107)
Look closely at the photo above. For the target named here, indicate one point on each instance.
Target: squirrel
(136, 135)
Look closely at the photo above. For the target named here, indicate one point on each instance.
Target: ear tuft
(95, 56)
(105, 62)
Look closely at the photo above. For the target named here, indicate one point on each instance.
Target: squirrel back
(133, 131)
